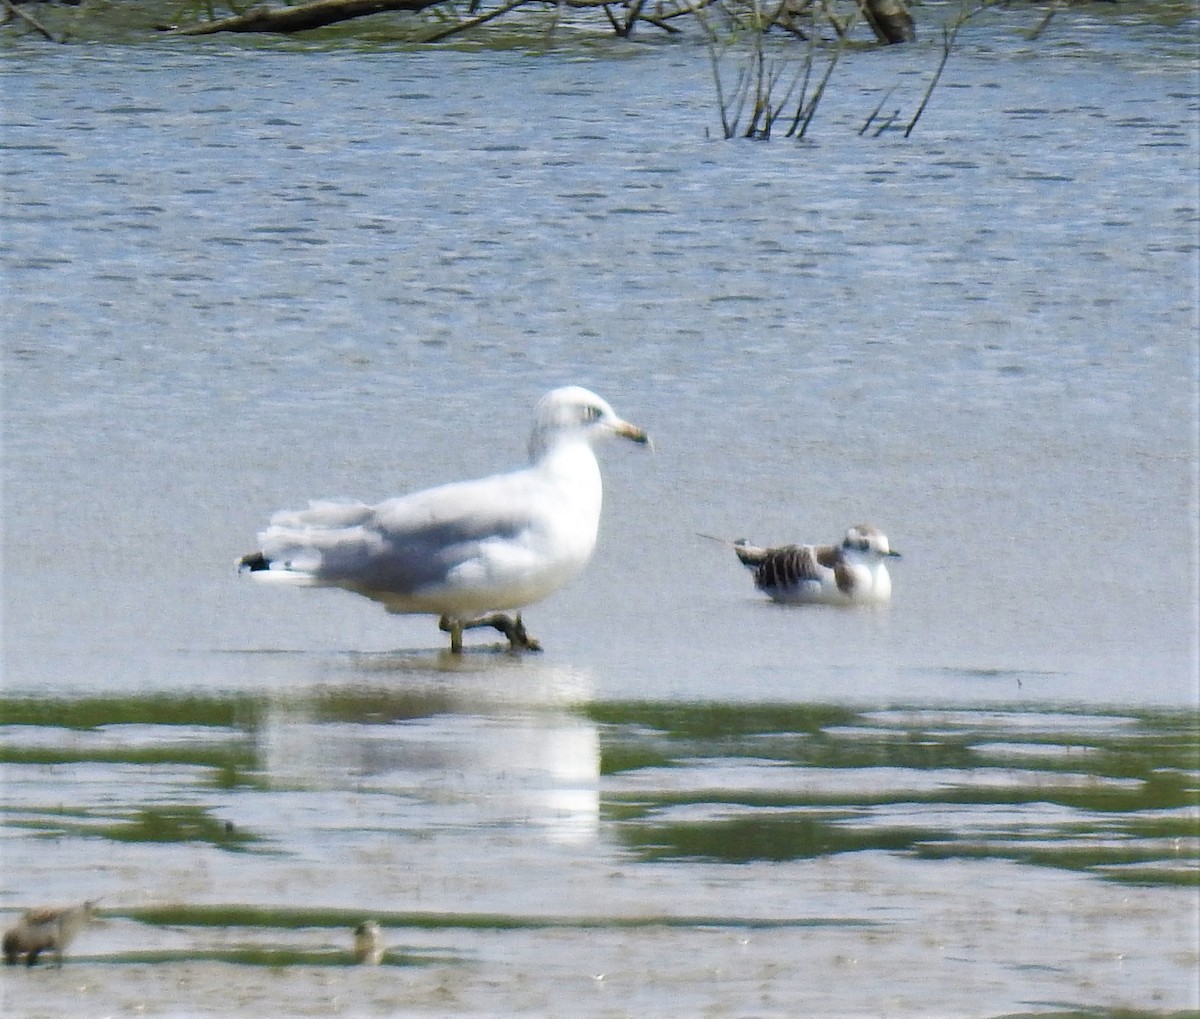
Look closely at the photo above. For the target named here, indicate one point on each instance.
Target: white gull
(468, 551)
(852, 573)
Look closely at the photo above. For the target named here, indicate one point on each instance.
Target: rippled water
(237, 278)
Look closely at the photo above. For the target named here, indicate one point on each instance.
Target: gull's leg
(512, 628)
(455, 630)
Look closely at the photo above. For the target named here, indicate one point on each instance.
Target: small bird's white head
(575, 412)
(868, 542)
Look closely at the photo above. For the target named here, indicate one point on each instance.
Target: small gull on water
(852, 573)
(468, 551)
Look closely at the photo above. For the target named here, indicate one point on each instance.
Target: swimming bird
(39, 930)
(469, 551)
(854, 572)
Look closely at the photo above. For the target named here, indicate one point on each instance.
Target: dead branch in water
(947, 44)
(313, 14)
(624, 29)
(1044, 23)
(811, 111)
(14, 11)
(470, 23)
(875, 112)
(889, 20)
(949, 35)
(303, 17)
(767, 83)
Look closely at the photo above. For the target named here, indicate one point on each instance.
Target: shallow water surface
(521, 850)
(237, 278)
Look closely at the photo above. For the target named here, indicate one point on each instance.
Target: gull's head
(868, 541)
(573, 412)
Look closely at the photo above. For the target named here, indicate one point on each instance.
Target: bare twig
(804, 115)
(947, 44)
(800, 78)
(632, 19)
(768, 106)
(875, 112)
(552, 28)
(30, 20)
(1044, 23)
(741, 92)
(806, 75)
(820, 91)
(949, 35)
(730, 106)
(758, 62)
(887, 123)
(662, 23)
(464, 26)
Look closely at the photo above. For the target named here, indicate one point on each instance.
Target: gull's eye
(591, 414)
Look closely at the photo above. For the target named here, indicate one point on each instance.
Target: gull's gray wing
(401, 545)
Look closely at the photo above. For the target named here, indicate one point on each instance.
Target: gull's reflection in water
(490, 741)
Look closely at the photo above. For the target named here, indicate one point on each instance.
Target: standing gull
(854, 572)
(467, 551)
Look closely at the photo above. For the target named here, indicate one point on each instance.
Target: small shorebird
(40, 930)
(465, 552)
(854, 572)
(368, 943)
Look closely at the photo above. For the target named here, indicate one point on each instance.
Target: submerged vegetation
(1109, 795)
(1113, 795)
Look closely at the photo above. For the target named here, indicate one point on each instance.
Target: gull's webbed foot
(512, 628)
(518, 638)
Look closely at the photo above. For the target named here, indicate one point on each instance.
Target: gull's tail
(751, 556)
(297, 543)
(272, 571)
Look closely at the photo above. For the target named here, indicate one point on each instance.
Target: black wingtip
(252, 562)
